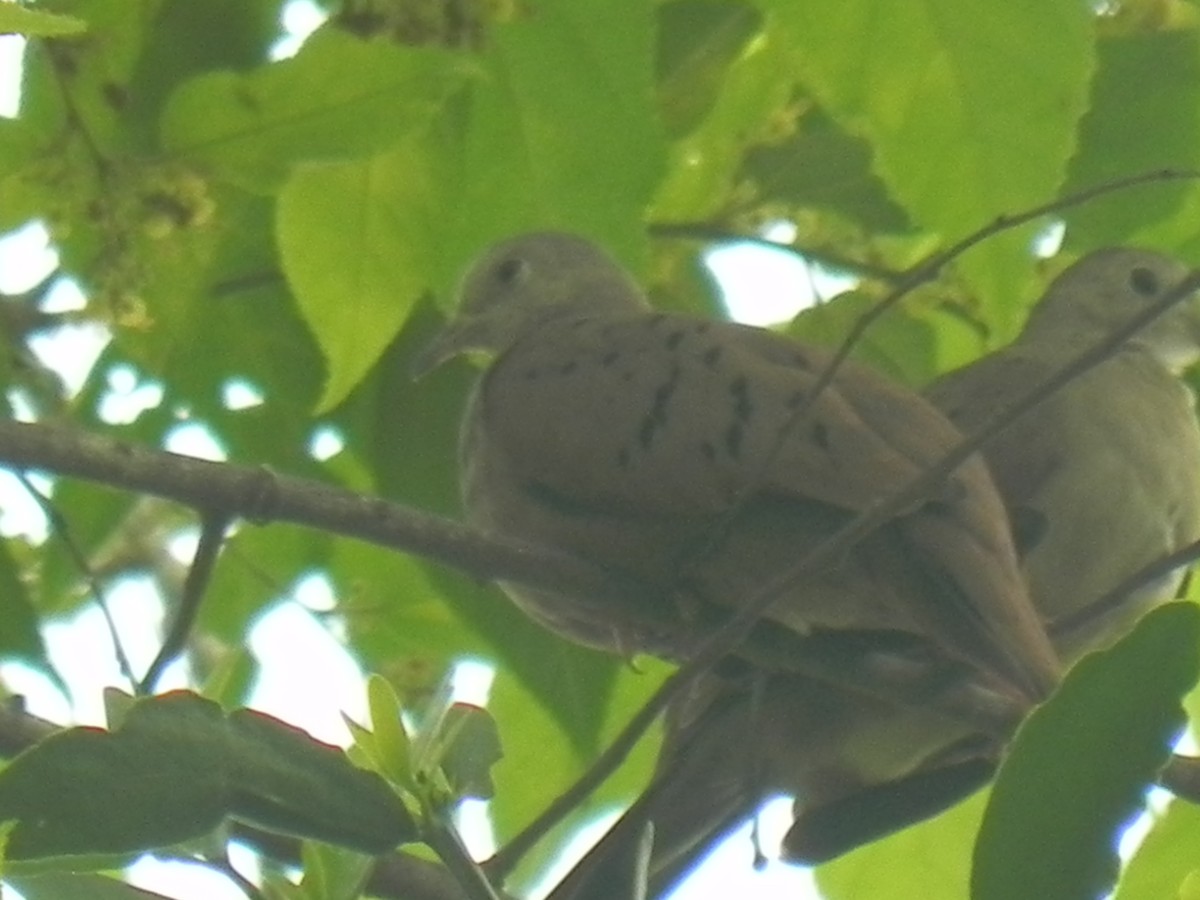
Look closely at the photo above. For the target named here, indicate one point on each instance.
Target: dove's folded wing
(683, 417)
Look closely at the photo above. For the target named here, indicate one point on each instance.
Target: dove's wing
(666, 446)
(682, 417)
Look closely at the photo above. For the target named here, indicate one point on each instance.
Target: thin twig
(60, 527)
(446, 843)
(1066, 627)
(703, 231)
(208, 548)
(507, 857)
(929, 268)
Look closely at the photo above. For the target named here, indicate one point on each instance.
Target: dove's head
(522, 282)
(1107, 288)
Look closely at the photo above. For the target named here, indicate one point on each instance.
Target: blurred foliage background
(294, 226)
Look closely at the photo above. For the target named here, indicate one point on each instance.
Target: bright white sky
(300, 659)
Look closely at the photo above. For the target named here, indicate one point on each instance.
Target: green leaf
(473, 748)
(359, 242)
(190, 38)
(930, 860)
(332, 873)
(541, 760)
(24, 193)
(338, 99)
(240, 323)
(388, 736)
(1166, 858)
(395, 610)
(899, 345)
(16, 19)
(174, 770)
(256, 564)
(697, 42)
(1129, 130)
(970, 108)
(705, 163)
(563, 130)
(71, 886)
(287, 781)
(20, 636)
(1080, 764)
(86, 81)
(823, 167)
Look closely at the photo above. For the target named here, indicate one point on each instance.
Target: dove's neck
(1172, 347)
(607, 295)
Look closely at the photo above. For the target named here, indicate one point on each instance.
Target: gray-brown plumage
(1102, 478)
(691, 455)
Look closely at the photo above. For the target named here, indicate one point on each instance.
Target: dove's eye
(512, 270)
(1143, 281)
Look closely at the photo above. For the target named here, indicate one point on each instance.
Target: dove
(694, 457)
(1102, 478)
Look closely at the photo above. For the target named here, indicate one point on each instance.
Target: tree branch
(261, 496)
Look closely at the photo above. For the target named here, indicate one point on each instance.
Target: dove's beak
(458, 336)
(433, 354)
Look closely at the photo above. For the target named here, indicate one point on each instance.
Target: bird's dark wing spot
(739, 388)
(656, 418)
(820, 436)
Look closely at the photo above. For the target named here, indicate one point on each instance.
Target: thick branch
(260, 495)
